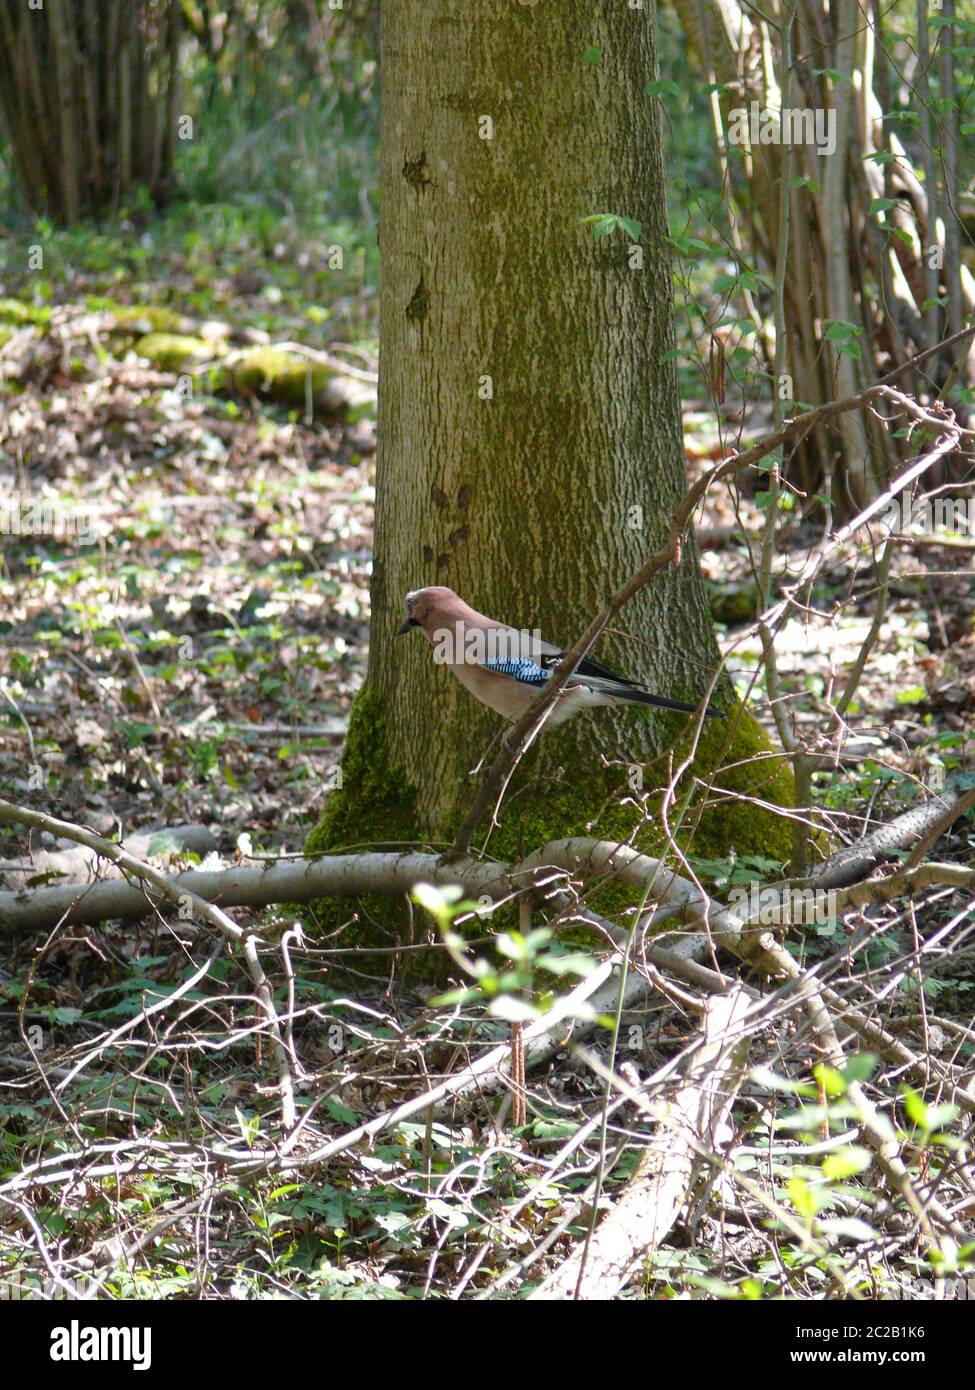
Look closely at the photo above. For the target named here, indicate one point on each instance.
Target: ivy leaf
(661, 86)
(603, 223)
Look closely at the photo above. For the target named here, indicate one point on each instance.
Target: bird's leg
(519, 1109)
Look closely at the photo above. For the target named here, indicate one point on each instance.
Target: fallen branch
(290, 880)
(857, 860)
(187, 900)
(665, 1174)
(79, 863)
(304, 880)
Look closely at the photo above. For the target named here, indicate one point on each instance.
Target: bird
(505, 667)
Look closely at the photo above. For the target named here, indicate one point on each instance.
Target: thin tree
(88, 100)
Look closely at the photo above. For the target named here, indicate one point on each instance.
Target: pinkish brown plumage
(505, 667)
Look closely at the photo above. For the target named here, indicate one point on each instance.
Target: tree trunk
(531, 452)
(84, 90)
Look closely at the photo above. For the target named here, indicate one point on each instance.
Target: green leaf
(512, 1010)
(847, 1226)
(927, 1117)
(437, 901)
(834, 1083)
(338, 1111)
(860, 1067)
(567, 965)
(840, 329)
(135, 732)
(554, 1129)
(456, 996)
(803, 1197)
(453, 1216)
(846, 1162)
(603, 223)
(592, 55)
(662, 86)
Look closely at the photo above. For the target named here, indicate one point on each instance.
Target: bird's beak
(410, 622)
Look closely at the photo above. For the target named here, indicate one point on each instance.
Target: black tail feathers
(660, 702)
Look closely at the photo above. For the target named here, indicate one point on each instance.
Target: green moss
(376, 806)
(141, 319)
(289, 379)
(172, 351)
(733, 602)
(259, 369)
(16, 312)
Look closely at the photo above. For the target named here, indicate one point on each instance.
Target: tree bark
(531, 452)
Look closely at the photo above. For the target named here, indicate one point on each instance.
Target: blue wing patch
(519, 669)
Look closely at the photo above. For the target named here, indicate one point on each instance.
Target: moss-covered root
(271, 373)
(292, 380)
(376, 804)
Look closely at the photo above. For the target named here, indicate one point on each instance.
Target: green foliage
(603, 223)
(507, 992)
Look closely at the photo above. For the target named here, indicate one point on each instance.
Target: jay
(505, 668)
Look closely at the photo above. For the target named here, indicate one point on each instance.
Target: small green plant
(506, 991)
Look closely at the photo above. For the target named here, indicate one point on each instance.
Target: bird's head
(432, 608)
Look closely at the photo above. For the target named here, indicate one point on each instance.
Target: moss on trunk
(376, 807)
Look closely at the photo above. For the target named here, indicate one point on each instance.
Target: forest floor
(195, 661)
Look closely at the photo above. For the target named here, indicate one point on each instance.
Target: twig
(184, 898)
